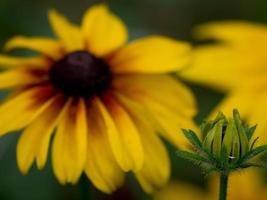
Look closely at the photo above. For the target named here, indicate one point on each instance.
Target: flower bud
(227, 145)
(226, 138)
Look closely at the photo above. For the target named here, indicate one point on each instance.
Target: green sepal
(235, 145)
(205, 127)
(224, 156)
(192, 156)
(193, 138)
(228, 137)
(253, 143)
(242, 135)
(250, 131)
(219, 117)
(217, 141)
(253, 164)
(251, 154)
(207, 144)
(213, 160)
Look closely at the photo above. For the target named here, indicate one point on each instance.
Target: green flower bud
(226, 147)
(226, 136)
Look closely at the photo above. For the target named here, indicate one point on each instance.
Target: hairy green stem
(223, 186)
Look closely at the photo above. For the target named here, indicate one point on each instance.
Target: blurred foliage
(175, 18)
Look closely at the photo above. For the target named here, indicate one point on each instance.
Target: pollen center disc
(80, 74)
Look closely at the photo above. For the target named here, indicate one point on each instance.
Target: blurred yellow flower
(237, 65)
(104, 98)
(178, 190)
(246, 185)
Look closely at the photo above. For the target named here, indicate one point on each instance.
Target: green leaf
(193, 138)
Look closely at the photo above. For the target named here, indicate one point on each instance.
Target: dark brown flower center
(80, 74)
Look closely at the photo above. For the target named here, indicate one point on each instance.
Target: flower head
(104, 99)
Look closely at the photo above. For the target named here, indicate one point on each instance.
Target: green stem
(223, 186)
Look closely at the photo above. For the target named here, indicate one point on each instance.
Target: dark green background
(174, 18)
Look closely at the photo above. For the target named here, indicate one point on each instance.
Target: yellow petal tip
(52, 13)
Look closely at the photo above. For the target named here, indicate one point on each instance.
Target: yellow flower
(247, 185)
(105, 99)
(237, 65)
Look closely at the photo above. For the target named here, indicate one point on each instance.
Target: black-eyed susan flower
(103, 101)
(235, 64)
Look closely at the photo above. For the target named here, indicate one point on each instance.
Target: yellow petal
(210, 66)
(241, 100)
(155, 54)
(123, 136)
(45, 46)
(69, 34)
(170, 103)
(34, 141)
(103, 31)
(101, 168)
(23, 108)
(13, 62)
(172, 123)
(237, 32)
(156, 170)
(70, 143)
(257, 115)
(18, 77)
(216, 66)
(161, 88)
(138, 109)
